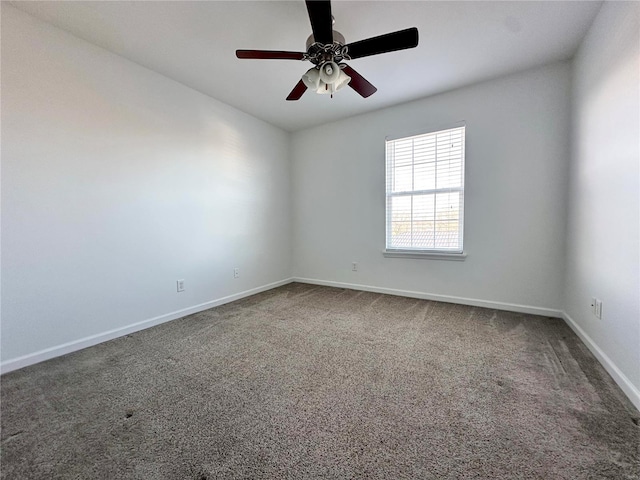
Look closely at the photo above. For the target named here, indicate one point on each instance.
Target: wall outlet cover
(598, 309)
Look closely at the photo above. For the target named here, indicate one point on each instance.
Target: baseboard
(512, 307)
(49, 353)
(620, 378)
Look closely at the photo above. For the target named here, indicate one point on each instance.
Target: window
(425, 192)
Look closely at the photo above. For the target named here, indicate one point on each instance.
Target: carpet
(306, 381)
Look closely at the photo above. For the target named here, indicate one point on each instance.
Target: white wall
(603, 235)
(516, 164)
(116, 182)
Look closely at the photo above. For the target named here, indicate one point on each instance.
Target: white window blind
(425, 192)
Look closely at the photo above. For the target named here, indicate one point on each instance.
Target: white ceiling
(195, 42)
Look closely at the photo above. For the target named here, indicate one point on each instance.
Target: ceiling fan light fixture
(327, 79)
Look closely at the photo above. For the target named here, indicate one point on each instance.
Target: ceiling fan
(327, 50)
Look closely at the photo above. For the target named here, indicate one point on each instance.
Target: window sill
(459, 257)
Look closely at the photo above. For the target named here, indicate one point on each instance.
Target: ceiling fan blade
(389, 42)
(297, 91)
(321, 20)
(359, 83)
(269, 54)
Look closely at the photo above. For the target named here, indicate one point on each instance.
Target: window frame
(425, 253)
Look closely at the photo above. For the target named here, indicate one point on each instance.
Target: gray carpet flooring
(316, 382)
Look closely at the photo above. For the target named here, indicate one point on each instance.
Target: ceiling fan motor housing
(337, 38)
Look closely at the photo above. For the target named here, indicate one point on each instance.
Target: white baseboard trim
(620, 378)
(512, 307)
(52, 352)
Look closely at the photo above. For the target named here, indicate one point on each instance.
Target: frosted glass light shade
(315, 78)
(329, 72)
(312, 78)
(342, 81)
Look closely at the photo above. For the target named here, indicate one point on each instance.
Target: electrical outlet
(598, 308)
(593, 305)
(180, 285)
(354, 266)
(236, 272)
